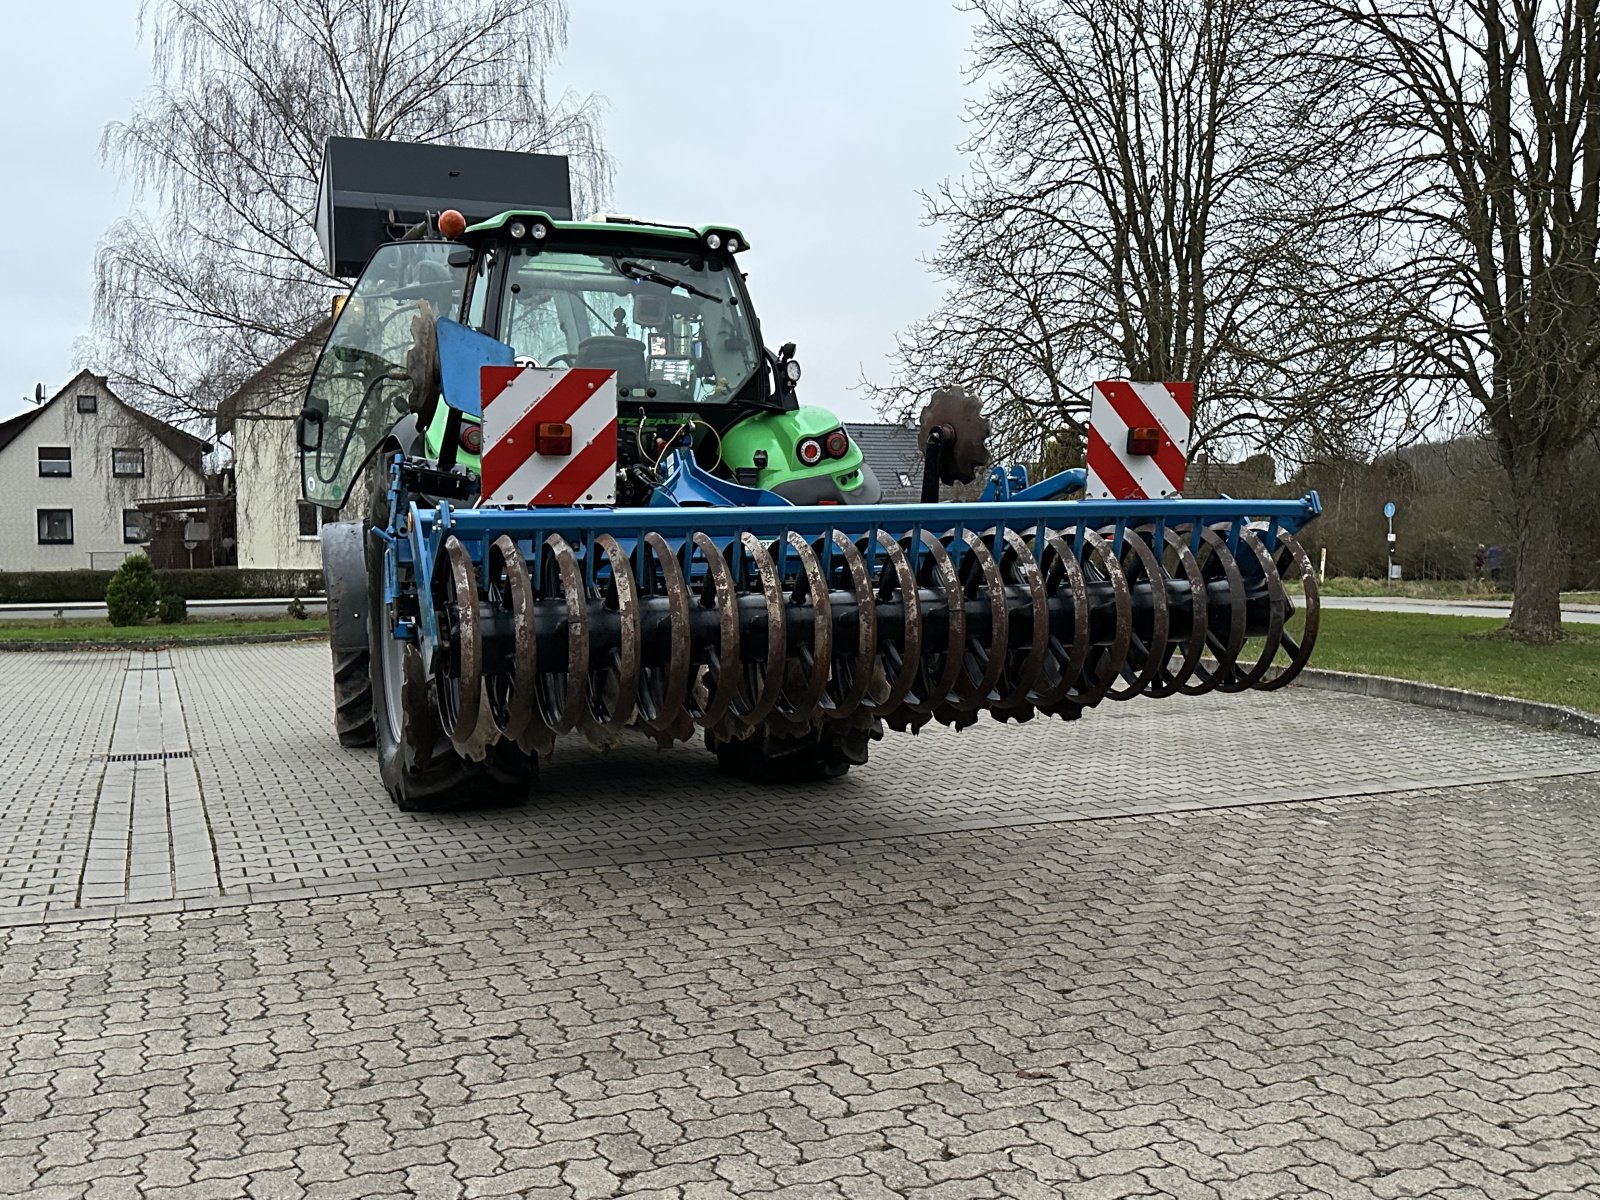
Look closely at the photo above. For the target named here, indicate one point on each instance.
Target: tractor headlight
(791, 371)
(713, 241)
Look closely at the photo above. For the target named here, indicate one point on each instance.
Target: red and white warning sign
(1138, 439)
(549, 436)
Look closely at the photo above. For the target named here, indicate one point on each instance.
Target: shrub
(133, 595)
(174, 610)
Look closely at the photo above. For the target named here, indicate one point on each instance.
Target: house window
(55, 460)
(55, 526)
(135, 526)
(310, 518)
(88, 403)
(127, 462)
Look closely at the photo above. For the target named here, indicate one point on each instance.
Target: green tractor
(582, 496)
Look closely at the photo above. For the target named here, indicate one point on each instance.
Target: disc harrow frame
(534, 623)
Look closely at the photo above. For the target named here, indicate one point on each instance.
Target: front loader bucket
(533, 623)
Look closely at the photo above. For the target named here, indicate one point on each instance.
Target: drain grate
(153, 756)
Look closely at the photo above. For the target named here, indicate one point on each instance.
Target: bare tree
(1488, 198)
(1151, 186)
(192, 303)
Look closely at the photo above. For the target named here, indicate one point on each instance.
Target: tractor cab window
(360, 385)
(676, 330)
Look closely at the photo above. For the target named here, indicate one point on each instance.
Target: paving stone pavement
(1383, 996)
(210, 775)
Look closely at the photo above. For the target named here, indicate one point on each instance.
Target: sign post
(1394, 571)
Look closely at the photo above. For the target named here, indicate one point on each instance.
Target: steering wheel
(562, 359)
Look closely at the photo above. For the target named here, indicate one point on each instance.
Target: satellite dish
(38, 393)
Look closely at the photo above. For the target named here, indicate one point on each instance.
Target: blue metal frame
(417, 540)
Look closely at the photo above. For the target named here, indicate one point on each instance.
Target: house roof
(233, 407)
(190, 449)
(12, 429)
(891, 451)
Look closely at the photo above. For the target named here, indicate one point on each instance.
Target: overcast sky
(810, 125)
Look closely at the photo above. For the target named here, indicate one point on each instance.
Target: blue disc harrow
(705, 616)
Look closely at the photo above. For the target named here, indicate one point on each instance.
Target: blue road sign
(1388, 510)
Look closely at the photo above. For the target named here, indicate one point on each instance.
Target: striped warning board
(1138, 439)
(524, 412)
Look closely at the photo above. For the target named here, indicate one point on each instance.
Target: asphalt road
(213, 609)
(1584, 614)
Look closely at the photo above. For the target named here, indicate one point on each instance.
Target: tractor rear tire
(765, 757)
(420, 768)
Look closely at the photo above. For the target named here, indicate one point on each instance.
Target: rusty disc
(512, 699)
(1299, 651)
(1153, 655)
(614, 685)
(1206, 678)
(709, 706)
(662, 714)
(561, 695)
(1278, 602)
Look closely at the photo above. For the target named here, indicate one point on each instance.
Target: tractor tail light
(1145, 440)
(471, 438)
(838, 444)
(555, 438)
(811, 452)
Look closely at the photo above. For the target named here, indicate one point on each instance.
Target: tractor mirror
(310, 430)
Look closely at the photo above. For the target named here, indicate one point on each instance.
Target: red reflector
(1144, 439)
(555, 438)
(822, 502)
(811, 452)
(838, 444)
(471, 438)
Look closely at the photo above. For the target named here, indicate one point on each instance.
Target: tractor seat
(623, 355)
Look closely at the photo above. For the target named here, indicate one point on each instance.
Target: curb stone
(177, 643)
(1431, 695)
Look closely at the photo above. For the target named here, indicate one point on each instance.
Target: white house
(277, 531)
(75, 469)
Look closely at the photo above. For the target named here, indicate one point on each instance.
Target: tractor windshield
(676, 329)
(361, 383)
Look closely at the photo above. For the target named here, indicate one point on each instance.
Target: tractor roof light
(451, 223)
(713, 241)
(540, 231)
(733, 244)
(518, 230)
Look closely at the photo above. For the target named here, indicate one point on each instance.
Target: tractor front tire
(766, 757)
(344, 574)
(352, 698)
(420, 768)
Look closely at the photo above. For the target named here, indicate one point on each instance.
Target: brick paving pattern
(1281, 945)
(1384, 997)
(267, 804)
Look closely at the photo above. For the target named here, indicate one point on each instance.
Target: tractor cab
(663, 308)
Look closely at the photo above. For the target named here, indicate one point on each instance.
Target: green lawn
(95, 632)
(1452, 651)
